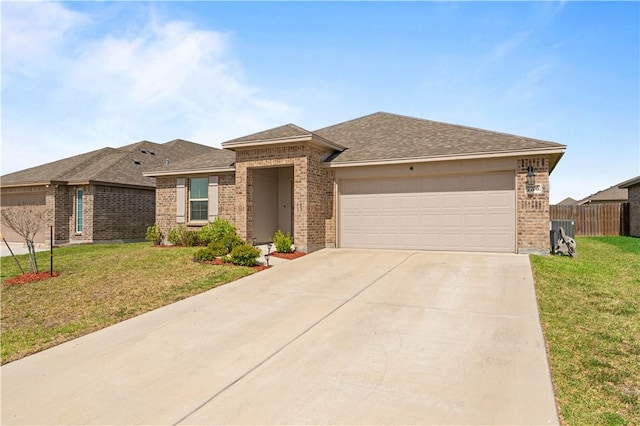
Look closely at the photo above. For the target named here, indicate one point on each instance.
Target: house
(613, 194)
(567, 202)
(379, 181)
(97, 196)
(633, 191)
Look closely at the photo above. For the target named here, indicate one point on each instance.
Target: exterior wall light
(531, 177)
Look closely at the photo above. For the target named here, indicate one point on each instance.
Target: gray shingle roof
(286, 131)
(214, 159)
(383, 136)
(109, 165)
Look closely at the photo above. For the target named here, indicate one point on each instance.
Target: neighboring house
(633, 190)
(97, 196)
(567, 202)
(613, 194)
(379, 181)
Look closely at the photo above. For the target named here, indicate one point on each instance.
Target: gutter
(189, 171)
(406, 160)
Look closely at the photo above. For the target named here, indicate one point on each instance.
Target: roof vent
(144, 151)
(137, 162)
(152, 153)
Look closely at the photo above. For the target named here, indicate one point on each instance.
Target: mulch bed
(289, 256)
(30, 277)
(218, 261)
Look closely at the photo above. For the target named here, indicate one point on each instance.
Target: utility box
(554, 234)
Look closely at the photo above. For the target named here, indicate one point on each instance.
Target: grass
(100, 285)
(590, 314)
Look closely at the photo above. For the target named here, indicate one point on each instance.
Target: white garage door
(463, 213)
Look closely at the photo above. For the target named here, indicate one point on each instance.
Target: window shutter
(181, 194)
(213, 197)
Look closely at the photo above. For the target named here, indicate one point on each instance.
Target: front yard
(99, 285)
(590, 314)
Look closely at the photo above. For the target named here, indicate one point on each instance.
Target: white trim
(190, 171)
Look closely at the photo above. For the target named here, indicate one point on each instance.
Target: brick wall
(634, 210)
(165, 203)
(330, 209)
(532, 209)
(122, 213)
(87, 214)
(227, 197)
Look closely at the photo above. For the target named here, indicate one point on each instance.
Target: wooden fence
(595, 219)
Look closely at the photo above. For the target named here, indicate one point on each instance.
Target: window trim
(79, 211)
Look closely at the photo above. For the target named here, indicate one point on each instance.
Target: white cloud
(158, 81)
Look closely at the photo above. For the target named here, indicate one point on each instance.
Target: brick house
(379, 181)
(633, 196)
(97, 196)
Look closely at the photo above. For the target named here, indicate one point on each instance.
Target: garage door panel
(471, 213)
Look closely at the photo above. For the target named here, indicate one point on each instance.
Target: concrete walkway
(336, 337)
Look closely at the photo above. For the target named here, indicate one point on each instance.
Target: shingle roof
(383, 136)
(611, 194)
(567, 202)
(286, 131)
(630, 182)
(214, 159)
(123, 165)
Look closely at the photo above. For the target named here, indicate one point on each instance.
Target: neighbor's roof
(121, 166)
(630, 182)
(611, 194)
(384, 137)
(567, 202)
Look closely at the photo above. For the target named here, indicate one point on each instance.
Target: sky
(80, 76)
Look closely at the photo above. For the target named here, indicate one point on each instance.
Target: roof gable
(282, 132)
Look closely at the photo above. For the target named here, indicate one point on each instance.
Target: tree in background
(25, 221)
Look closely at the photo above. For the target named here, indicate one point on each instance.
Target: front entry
(272, 202)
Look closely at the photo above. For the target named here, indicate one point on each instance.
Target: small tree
(25, 221)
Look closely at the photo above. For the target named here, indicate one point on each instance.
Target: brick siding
(532, 210)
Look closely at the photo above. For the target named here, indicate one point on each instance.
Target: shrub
(283, 242)
(218, 248)
(181, 236)
(244, 255)
(204, 254)
(153, 235)
(218, 230)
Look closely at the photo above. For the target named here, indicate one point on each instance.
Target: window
(198, 199)
(79, 217)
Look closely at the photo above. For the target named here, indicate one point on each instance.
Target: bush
(153, 235)
(283, 242)
(218, 249)
(218, 230)
(181, 236)
(204, 254)
(244, 255)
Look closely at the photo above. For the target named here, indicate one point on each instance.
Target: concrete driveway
(336, 337)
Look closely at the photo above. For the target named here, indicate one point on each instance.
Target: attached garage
(472, 212)
(35, 197)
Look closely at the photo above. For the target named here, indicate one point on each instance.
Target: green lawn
(590, 313)
(99, 285)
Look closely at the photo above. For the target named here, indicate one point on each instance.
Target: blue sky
(78, 76)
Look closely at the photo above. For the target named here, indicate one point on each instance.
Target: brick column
(533, 208)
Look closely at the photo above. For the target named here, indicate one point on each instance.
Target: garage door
(462, 213)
